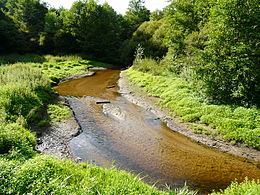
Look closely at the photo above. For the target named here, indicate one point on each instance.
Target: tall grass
(235, 124)
(23, 91)
(14, 138)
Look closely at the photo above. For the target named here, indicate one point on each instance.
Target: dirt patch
(139, 97)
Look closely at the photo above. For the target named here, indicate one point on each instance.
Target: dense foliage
(229, 65)
(214, 44)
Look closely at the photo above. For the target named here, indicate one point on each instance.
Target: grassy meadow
(25, 90)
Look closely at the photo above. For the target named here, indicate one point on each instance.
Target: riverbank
(54, 139)
(138, 96)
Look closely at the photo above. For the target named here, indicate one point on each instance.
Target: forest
(200, 56)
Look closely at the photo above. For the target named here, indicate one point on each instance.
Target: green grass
(244, 188)
(235, 124)
(62, 69)
(23, 91)
(48, 175)
(54, 67)
(13, 137)
(58, 112)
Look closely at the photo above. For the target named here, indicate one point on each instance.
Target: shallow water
(132, 138)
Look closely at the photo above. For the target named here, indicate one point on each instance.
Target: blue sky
(119, 5)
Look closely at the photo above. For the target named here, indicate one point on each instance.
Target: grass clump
(58, 70)
(59, 111)
(15, 137)
(244, 188)
(200, 129)
(234, 123)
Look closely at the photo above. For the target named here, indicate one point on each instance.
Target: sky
(119, 5)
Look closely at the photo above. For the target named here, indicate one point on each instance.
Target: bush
(149, 65)
(14, 137)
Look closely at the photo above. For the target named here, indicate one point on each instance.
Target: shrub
(14, 137)
(57, 112)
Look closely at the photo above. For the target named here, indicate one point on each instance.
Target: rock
(78, 159)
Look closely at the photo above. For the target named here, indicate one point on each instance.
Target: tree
(28, 16)
(150, 36)
(136, 14)
(97, 29)
(157, 15)
(182, 20)
(10, 37)
(229, 65)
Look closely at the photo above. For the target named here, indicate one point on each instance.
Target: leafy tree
(150, 36)
(97, 29)
(8, 34)
(28, 16)
(136, 14)
(53, 24)
(182, 20)
(229, 65)
(157, 15)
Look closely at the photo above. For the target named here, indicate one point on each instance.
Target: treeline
(88, 28)
(214, 44)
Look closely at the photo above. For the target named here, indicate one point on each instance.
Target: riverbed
(132, 138)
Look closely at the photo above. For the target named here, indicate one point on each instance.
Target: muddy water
(132, 138)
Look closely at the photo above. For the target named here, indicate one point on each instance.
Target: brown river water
(129, 137)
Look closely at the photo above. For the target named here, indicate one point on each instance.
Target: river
(127, 136)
